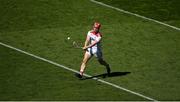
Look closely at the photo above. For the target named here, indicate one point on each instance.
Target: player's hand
(85, 48)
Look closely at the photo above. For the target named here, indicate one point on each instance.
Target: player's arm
(94, 43)
(87, 41)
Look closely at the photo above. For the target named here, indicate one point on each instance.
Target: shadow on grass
(112, 74)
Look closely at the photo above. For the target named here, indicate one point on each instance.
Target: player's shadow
(105, 75)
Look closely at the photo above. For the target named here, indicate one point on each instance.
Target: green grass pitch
(148, 51)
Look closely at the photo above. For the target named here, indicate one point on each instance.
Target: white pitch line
(72, 70)
(134, 14)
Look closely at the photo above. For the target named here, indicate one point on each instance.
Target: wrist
(87, 47)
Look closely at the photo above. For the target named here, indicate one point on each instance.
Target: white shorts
(94, 51)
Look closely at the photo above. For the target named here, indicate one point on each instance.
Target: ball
(68, 38)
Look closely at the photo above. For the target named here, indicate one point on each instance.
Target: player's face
(95, 29)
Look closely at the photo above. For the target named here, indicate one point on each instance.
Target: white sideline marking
(137, 15)
(59, 65)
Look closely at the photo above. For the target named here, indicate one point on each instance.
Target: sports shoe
(78, 75)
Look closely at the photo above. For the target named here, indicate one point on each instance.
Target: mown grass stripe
(134, 14)
(72, 70)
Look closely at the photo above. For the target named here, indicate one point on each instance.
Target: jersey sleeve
(89, 33)
(98, 38)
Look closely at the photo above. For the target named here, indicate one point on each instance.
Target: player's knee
(101, 61)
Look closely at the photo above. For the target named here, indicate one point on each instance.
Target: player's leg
(86, 58)
(102, 61)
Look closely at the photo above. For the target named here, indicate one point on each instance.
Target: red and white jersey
(95, 37)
